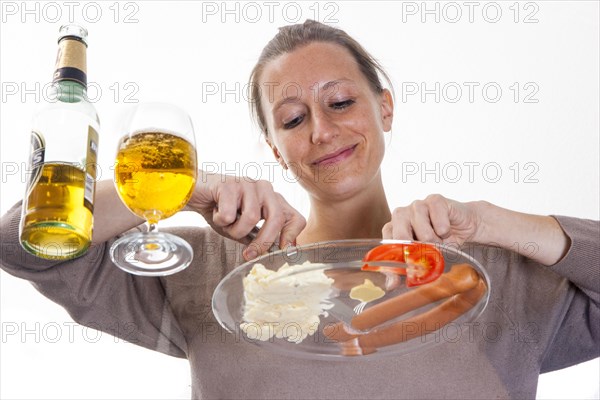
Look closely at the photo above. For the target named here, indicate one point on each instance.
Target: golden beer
(57, 218)
(155, 174)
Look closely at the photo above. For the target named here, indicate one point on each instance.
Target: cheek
(289, 148)
(380, 149)
(365, 123)
(371, 129)
(378, 143)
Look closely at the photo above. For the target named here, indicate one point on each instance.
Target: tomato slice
(425, 262)
(393, 251)
(385, 252)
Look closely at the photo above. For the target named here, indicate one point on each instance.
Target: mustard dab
(366, 292)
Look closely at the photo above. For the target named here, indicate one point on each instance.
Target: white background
(536, 154)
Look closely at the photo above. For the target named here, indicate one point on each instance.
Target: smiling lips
(336, 156)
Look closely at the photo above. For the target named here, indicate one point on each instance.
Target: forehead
(314, 63)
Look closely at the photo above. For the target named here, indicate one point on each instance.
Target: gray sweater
(539, 319)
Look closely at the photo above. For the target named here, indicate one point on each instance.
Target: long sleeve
(96, 293)
(578, 337)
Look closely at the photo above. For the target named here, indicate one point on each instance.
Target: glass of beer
(155, 174)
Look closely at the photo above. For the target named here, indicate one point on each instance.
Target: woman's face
(324, 121)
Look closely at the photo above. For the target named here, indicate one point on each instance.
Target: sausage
(339, 332)
(416, 326)
(460, 278)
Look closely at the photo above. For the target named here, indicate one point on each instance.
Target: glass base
(151, 253)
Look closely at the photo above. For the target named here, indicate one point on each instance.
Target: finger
(247, 217)
(462, 224)
(387, 231)
(421, 223)
(268, 233)
(294, 224)
(225, 211)
(252, 250)
(282, 226)
(400, 224)
(439, 214)
(274, 220)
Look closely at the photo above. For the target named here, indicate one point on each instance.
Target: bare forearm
(111, 217)
(518, 231)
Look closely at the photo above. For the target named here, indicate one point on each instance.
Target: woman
(329, 129)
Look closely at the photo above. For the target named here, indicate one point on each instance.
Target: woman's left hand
(440, 220)
(435, 219)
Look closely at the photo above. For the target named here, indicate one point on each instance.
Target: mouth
(336, 156)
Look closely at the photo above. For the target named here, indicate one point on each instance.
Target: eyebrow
(325, 86)
(329, 84)
(287, 100)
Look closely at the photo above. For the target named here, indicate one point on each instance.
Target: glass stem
(152, 227)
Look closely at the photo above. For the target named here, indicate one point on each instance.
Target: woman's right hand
(233, 205)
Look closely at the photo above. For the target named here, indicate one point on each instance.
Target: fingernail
(251, 254)
(288, 243)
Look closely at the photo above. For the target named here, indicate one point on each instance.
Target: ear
(387, 110)
(277, 155)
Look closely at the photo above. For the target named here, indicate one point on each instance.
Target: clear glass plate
(331, 335)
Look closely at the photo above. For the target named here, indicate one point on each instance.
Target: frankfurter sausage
(416, 326)
(460, 278)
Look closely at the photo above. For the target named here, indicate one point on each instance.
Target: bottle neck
(67, 91)
(71, 62)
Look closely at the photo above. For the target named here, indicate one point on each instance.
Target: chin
(340, 190)
(337, 184)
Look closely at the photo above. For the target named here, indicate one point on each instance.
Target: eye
(340, 105)
(293, 123)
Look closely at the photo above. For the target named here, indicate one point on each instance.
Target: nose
(323, 128)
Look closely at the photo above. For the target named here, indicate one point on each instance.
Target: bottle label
(90, 169)
(70, 74)
(36, 159)
(71, 62)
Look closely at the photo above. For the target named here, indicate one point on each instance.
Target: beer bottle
(57, 219)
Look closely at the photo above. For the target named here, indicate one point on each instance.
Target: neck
(359, 217)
